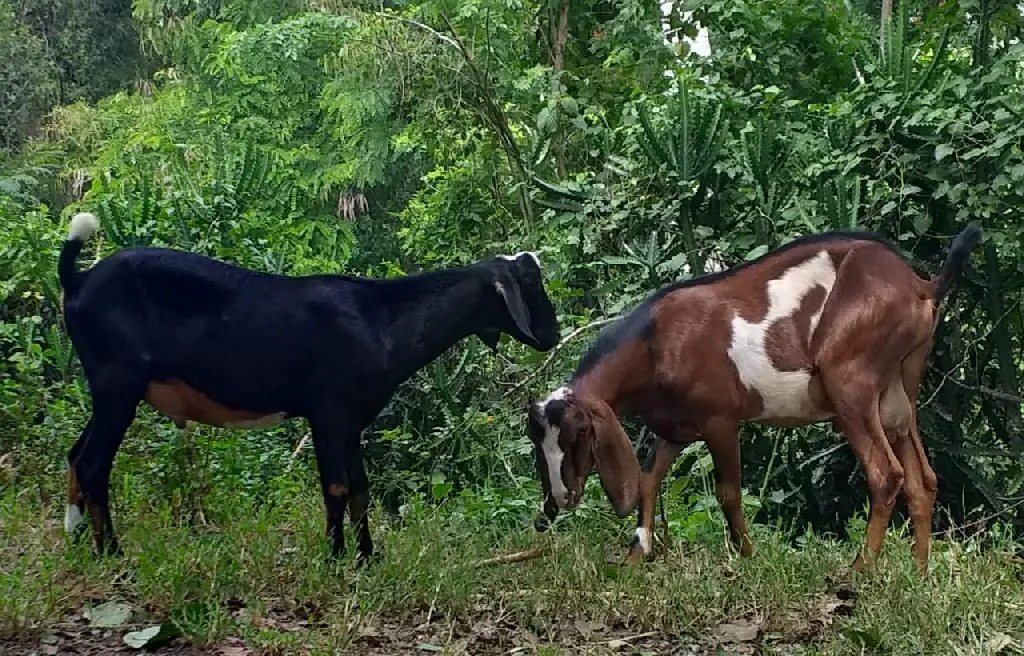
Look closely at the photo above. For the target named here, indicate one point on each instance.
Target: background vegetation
(302, 136)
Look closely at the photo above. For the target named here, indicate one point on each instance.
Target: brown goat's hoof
(635, 556)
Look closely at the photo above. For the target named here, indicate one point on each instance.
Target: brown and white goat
(830, 327)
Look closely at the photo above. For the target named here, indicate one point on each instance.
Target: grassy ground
(261, 583)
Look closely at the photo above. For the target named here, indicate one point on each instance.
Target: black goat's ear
(490, 338)
(509, 292)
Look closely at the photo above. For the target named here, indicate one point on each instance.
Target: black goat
(205, 341)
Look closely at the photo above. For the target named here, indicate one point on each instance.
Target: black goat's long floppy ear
(617, 464)
(490, 338)
(508, 289)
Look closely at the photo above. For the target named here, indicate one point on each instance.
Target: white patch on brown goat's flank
(784, 394)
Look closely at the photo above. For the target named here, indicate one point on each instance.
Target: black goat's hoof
(541, 524)
(110, 550)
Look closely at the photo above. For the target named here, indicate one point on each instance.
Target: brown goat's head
(571, 436)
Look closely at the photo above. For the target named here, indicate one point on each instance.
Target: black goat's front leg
(337, 447)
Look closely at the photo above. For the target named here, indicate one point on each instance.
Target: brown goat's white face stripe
(552, 450)
(784, 394)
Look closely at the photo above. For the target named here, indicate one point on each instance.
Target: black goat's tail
(953, 267)
(83, 225)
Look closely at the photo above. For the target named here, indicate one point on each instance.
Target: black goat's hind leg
(92, 458)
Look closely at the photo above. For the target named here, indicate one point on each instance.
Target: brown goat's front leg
(722, 438)
(650, 482)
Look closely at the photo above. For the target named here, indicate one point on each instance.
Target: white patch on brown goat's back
(784, 394)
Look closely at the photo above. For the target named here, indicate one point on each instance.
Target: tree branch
(554, 352)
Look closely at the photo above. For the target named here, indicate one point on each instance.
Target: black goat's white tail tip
(83, 226)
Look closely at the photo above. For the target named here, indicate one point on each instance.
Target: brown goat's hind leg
(920, 489)
(899, 414)
(723, 442)
(650, 483)
(868, 440)
(921, 511)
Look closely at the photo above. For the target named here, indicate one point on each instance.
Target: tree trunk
(559, 37)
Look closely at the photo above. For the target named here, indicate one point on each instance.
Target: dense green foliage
(303, 136)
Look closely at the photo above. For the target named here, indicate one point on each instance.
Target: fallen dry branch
(516, 557)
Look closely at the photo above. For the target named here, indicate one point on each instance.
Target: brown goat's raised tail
(953, 267)
(83, 225)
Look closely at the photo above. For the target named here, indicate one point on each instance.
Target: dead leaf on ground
(827, 607)
(152, 636)
(108, 615)
(998, 643)
(233, 647)
(737, 631)
(589, 628)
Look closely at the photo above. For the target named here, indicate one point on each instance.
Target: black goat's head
(528, 314)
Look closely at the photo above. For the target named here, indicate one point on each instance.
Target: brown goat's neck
(618, 377)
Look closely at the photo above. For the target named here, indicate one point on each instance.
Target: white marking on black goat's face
(530, 254)
(544, 427)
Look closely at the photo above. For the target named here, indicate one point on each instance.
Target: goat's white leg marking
(72, 517)
(643, 538)
(259, 422)
(553, 454)
(783, 393)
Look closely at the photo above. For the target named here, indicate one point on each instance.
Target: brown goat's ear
(508, 289)
(617, 465)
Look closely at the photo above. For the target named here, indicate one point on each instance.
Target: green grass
(264, 577)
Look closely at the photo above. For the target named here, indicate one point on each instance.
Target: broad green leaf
(545, 120)
(756, 252)
(942, 151)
